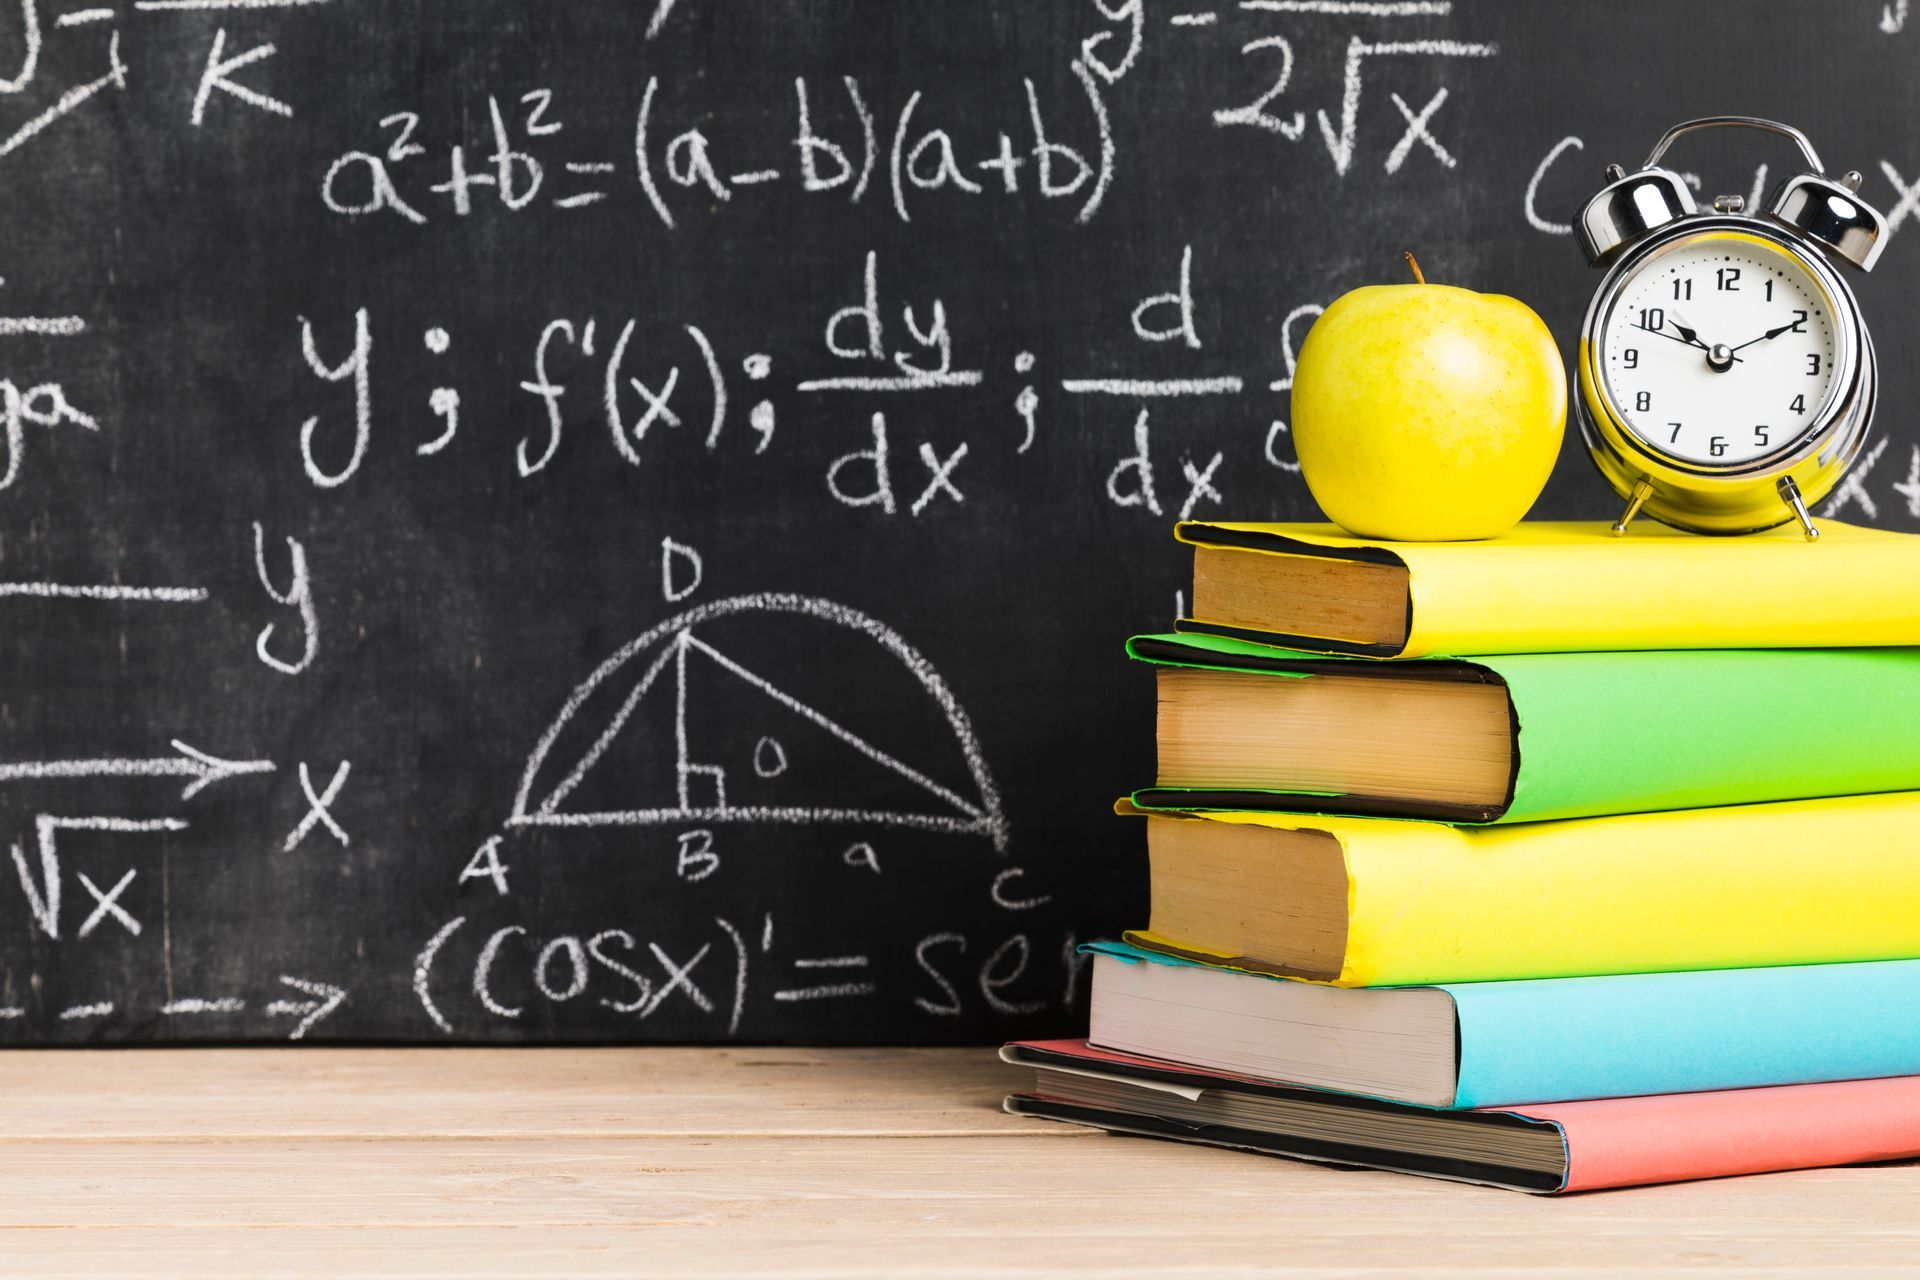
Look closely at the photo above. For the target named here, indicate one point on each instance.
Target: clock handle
(1642, 490)
(1790, 494)
(1737, 122)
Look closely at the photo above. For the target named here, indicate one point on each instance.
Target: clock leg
(1641, 492)
(1790, 494)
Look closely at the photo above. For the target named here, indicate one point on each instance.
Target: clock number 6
(1717, 446)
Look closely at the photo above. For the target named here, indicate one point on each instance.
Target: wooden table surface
(780, 1162)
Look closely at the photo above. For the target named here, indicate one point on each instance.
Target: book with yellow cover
(1553, 587)
(1381, 902)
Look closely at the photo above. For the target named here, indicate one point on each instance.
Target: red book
(1547, 1148)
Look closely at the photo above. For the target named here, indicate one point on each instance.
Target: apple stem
(1418, 275)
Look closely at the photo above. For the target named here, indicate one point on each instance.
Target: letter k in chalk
(215, 77)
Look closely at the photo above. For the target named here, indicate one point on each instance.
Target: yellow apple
(1427, 413)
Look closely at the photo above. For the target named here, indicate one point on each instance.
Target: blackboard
(615, 521)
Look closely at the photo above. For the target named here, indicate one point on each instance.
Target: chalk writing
(1908, 203)
(216, 73)
(916, 155)
(1853, 489)
(640, 665)
(319, 810)
(107, 904)
(44, 895)
(103, 591)
(355, 367)
(1910, 487)
(323, 999)
(297, 596)
(46, 406)
(204, 770)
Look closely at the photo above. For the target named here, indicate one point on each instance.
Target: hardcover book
(1526, 737)
(1382, 902)
(1489, 1044)
(1554, 587)
(1547, 1148)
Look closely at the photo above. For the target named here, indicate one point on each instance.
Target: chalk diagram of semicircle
(653, 672)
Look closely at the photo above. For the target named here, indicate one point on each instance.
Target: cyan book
(1487, 1044)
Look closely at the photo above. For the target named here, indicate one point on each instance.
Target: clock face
(1720, 350)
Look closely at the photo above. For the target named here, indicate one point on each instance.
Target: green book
(1525, 737)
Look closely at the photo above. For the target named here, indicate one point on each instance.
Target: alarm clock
(1726, 375)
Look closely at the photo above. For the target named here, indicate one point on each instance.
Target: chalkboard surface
(615, 521)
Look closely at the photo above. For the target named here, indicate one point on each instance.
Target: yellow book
(1379, 902)
(1554, 587)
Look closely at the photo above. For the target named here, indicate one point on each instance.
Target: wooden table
(779, 1162)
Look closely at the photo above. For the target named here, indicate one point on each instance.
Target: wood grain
(776, 1163)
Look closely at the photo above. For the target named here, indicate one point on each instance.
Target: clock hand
(1771, 333)
(1720, 358)
(1692, 338)
(1687, 335)
(1672, 337)
(1687, 342)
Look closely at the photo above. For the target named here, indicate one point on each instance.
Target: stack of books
(1554, 862)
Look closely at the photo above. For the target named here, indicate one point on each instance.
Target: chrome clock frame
(1741, 497)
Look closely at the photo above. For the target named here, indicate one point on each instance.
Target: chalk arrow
(195, 1004)
(205, 770)
(326, 998)
(211, 769)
